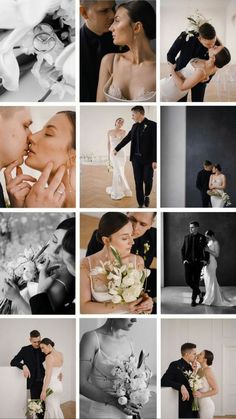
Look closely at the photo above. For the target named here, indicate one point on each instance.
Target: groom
(184, 49)
(175, 377)
(194, 258)
(143, 137)
(202, 183)
(30, 360)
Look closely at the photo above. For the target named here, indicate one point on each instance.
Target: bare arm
(48, 374)
(104, 75)
(223, 186)
(215, 252)
(210, 182)
(212, 384)
(190, 82)
(108, 145)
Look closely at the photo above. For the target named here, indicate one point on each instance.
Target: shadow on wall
(176, 226)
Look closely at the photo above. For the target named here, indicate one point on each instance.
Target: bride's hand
(46, 276)
(17, 187)
(43, 395)
(198, 394)
(145, 306)
(11, 290)
(206, 249)
(51, 196)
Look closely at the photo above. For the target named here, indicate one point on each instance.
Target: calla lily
(65, 62)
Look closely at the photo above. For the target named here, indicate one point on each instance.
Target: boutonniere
(144, 127)
(146, 248)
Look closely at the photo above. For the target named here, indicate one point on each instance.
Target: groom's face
(35, 342)
(191, 355)
(99, 16)
(14, 131)
(141, 222)
(193, 229)
(207, 43)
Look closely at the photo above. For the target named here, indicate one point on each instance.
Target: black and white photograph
(37, 367)
(198, 272)
(118, 364)
(197, 51)
(118, 265)
(37, 44)
(37, 263)
(198, 368)
(198, 157)
(118, 155)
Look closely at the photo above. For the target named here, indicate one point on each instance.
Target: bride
(209, 387)
(120, 187)
(52, 152)
(178, 84)
(53, 369)
(130, 76)
(217, 183)
(115, 229)
(214, 296)
(100, 349)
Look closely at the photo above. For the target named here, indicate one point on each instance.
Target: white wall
(96, 121)
(210, 334)
(173, 156)
(15, 334)
(174, 20)
(142, 334)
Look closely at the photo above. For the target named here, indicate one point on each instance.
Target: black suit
(33, 359)
(2, 200)
(202, 183)
(193, 252)
(174, 377)
(188, 50)
(143, 137)
(40, 304)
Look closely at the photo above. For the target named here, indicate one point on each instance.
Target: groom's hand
(26, 371)
(18, 187)
(185, 393)
(154, 165)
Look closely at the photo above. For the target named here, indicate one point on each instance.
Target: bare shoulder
(107, 61)
(84, 264)
(138, 260)
(208, 372)
(89, 339)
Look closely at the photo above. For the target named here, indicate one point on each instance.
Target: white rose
(116, 299)
(120, 392)
(128, 295)
(140, 396)
(128, 280)
(122, 400)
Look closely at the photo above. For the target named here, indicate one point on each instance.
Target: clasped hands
(43, 193)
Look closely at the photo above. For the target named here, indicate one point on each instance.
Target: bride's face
(124, 324)
(54, 249)
(52, 143)
(122, 240)
(122, 28)
(46, 349)
(201, 357)
(119, 123)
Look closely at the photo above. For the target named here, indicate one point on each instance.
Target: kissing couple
(193, 378)
(50, 151)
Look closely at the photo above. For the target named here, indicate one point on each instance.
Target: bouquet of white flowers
(125, 282)
(195, 383)
(35, 406)
(132, 380)
(221, 194)
(194, 22)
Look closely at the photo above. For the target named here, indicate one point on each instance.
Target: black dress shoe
(146, 201)
(193, 304)
(201, 298)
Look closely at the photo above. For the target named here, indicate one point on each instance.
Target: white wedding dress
(120, 187)
(52, 402)
(169, 92)
(214, 296)
(206, 405)
(216, 201)
(113, 93)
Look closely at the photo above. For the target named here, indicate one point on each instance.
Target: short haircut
(34, 334)
(207, 163)
(195, 223)
(187, 347)
(87, 3)
(138, 108)
(207, 31)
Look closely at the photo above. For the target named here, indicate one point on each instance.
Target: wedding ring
(44, 39)
(60, 192)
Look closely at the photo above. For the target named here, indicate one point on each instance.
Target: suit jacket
(2, 200)
(138, 247)
(202, 182)
(40, 304)
(174, 377)
(27, 356)
(148, 141)
(200, 244)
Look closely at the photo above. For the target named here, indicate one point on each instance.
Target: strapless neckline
(114, 94)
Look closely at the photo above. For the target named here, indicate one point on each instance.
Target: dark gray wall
(210, 135)
(176, 226)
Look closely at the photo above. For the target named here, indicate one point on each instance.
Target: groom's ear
(83, 12)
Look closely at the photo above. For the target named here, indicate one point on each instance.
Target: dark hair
(138, 108)
(71, 116)
(142, 11)
(209, 356)
(207, 31)
(209, 233)
(110, 223)
(34, 334)
(207, 163)
(218, 167)
(186, 347)
(67, 224)
(68, 242)
(47, 341)
(195, 223)
(222, 58)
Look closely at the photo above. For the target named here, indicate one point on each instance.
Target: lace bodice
(217, 181)
(114, 94)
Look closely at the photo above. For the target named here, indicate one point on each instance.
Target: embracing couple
(193, 378)
(51, 151)
(193, 59)
(41, 365)
(143, 138)
(211, 182)
(199, 257)
(109, 72)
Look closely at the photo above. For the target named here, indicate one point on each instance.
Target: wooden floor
(177, 300)
(69, 410)
(95, 179)
(225, 91)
